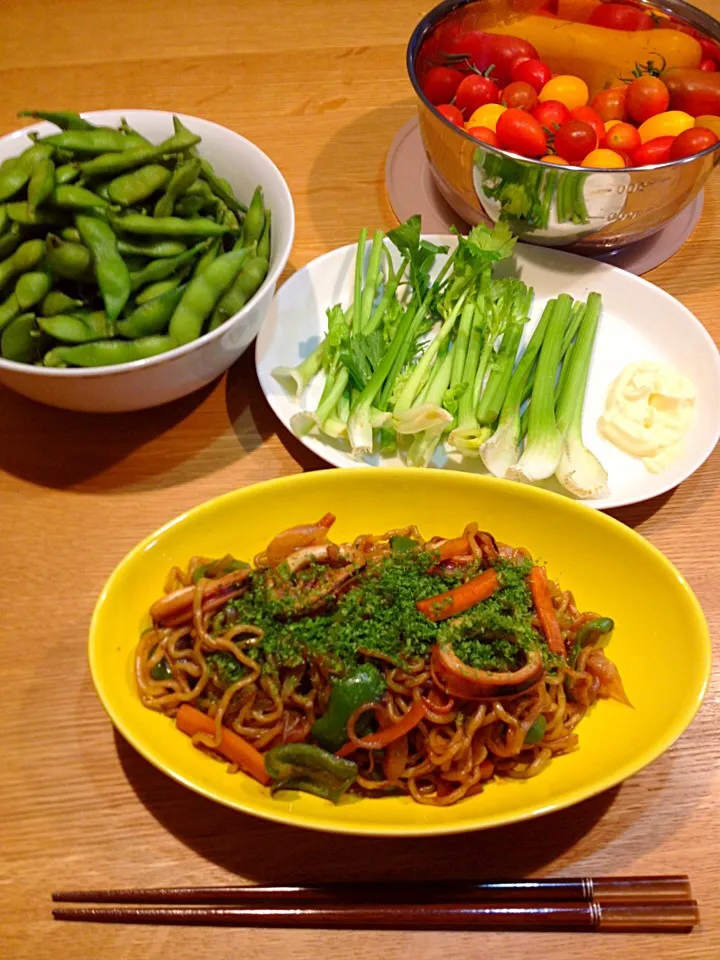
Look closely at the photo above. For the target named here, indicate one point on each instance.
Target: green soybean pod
(201, 295)
(190, 206)
(66, 173)
(76, 327)
(151, 248)
(212, 253)
(65, 119)
(69, 260)
(71, 234)
(247, 282)
(107, 352)
(112, 274)
(71, 197)
(97, 141)
(163, 268)
(21, 212)
(10, 240)
(58, 302)
(254, 219)
(151, 317)
(42, 183)
(9, 310)
(32, 287)
(16, 171)
(168, 226)
(183, 176)
(22, 341)
(26, 257)
(221, 187)
(153, 290)
(263, 247)
(112, 164)
(4, 219)
(138, 185)
(126, 128)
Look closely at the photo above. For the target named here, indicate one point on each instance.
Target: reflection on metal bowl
(553, 205)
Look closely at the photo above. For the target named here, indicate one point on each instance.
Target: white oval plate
(639, 322)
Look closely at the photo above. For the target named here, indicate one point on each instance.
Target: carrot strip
(461, 598)
(546, 610)
(457, 547)
(237, 750)
(376, 741)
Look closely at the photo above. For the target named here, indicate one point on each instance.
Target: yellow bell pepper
(599, 55)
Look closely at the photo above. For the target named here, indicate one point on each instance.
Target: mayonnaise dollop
(648, 411)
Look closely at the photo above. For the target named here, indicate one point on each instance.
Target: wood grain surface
(321, 86)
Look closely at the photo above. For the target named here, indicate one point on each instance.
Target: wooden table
(321, 87)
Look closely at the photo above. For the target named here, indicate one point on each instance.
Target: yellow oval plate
(661, 642)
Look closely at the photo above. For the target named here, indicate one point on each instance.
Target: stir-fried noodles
(389, 665)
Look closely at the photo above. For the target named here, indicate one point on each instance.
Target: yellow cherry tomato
(572, 91)
(603, 158)
(709, 122)
(554, 158)
(668, 124)
(486, 116)
(611, 123)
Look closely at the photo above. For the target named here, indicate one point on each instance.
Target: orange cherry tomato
(623, 137)
(486, 116)
(519, 95)
(654, 151)
(668, 124)
(693, 141)
(610, 104)
(485, 134)
(572, 91)
(603, 158)
(709, 122)
(646, 97)
(593, 118)
(554, 158)
(451, 113)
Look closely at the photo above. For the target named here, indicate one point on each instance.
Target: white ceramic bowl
(147, 383)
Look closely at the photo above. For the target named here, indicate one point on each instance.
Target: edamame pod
(42, 183)
(263, 247)
(107, 352)
(32, 287)
(221, 187)
(72, 197)
(110, 164)
(72, 234)
(151, 317)
(76, 327)
(168, 226)
(201, 295)
(212, 253)
(163, 268)
(9, 310)
(10, 240)
(58, 302)
(27, 256)
(152, 248)
(153, 290)
(4, 220)
(69, 260)
(112, 274)
(254, 219)
(247, 282)
(66, 173)
(16, 171)
(98, 141)
(22, 341)
(65, 119)
(184, 176)
(190, 205)
(138, 185)
(21, 212)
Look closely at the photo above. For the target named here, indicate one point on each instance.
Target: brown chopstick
(659, 917)
(602, 890)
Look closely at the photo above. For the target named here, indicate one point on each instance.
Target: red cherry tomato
(709, 66)
(610, 104)
(520, 132)
(692, 141)
(519, 95)
(620, 16)
(622, 137)
(646, 97)
(593, 118)
(534, 72)
(485, 134)
(551, 115)
(495, 50)
(475, 91)
(654, 151)
(440, 84)
(574, 140)
(452, 114)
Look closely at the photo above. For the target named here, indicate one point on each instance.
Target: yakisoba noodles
(389, 665)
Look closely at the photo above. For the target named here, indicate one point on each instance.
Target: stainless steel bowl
(607, 209)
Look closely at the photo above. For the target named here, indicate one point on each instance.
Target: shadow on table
(261, 851)
(143, 449)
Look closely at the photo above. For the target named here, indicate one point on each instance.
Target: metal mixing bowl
(481, 182)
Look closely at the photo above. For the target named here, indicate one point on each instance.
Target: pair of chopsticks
(661, 904)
